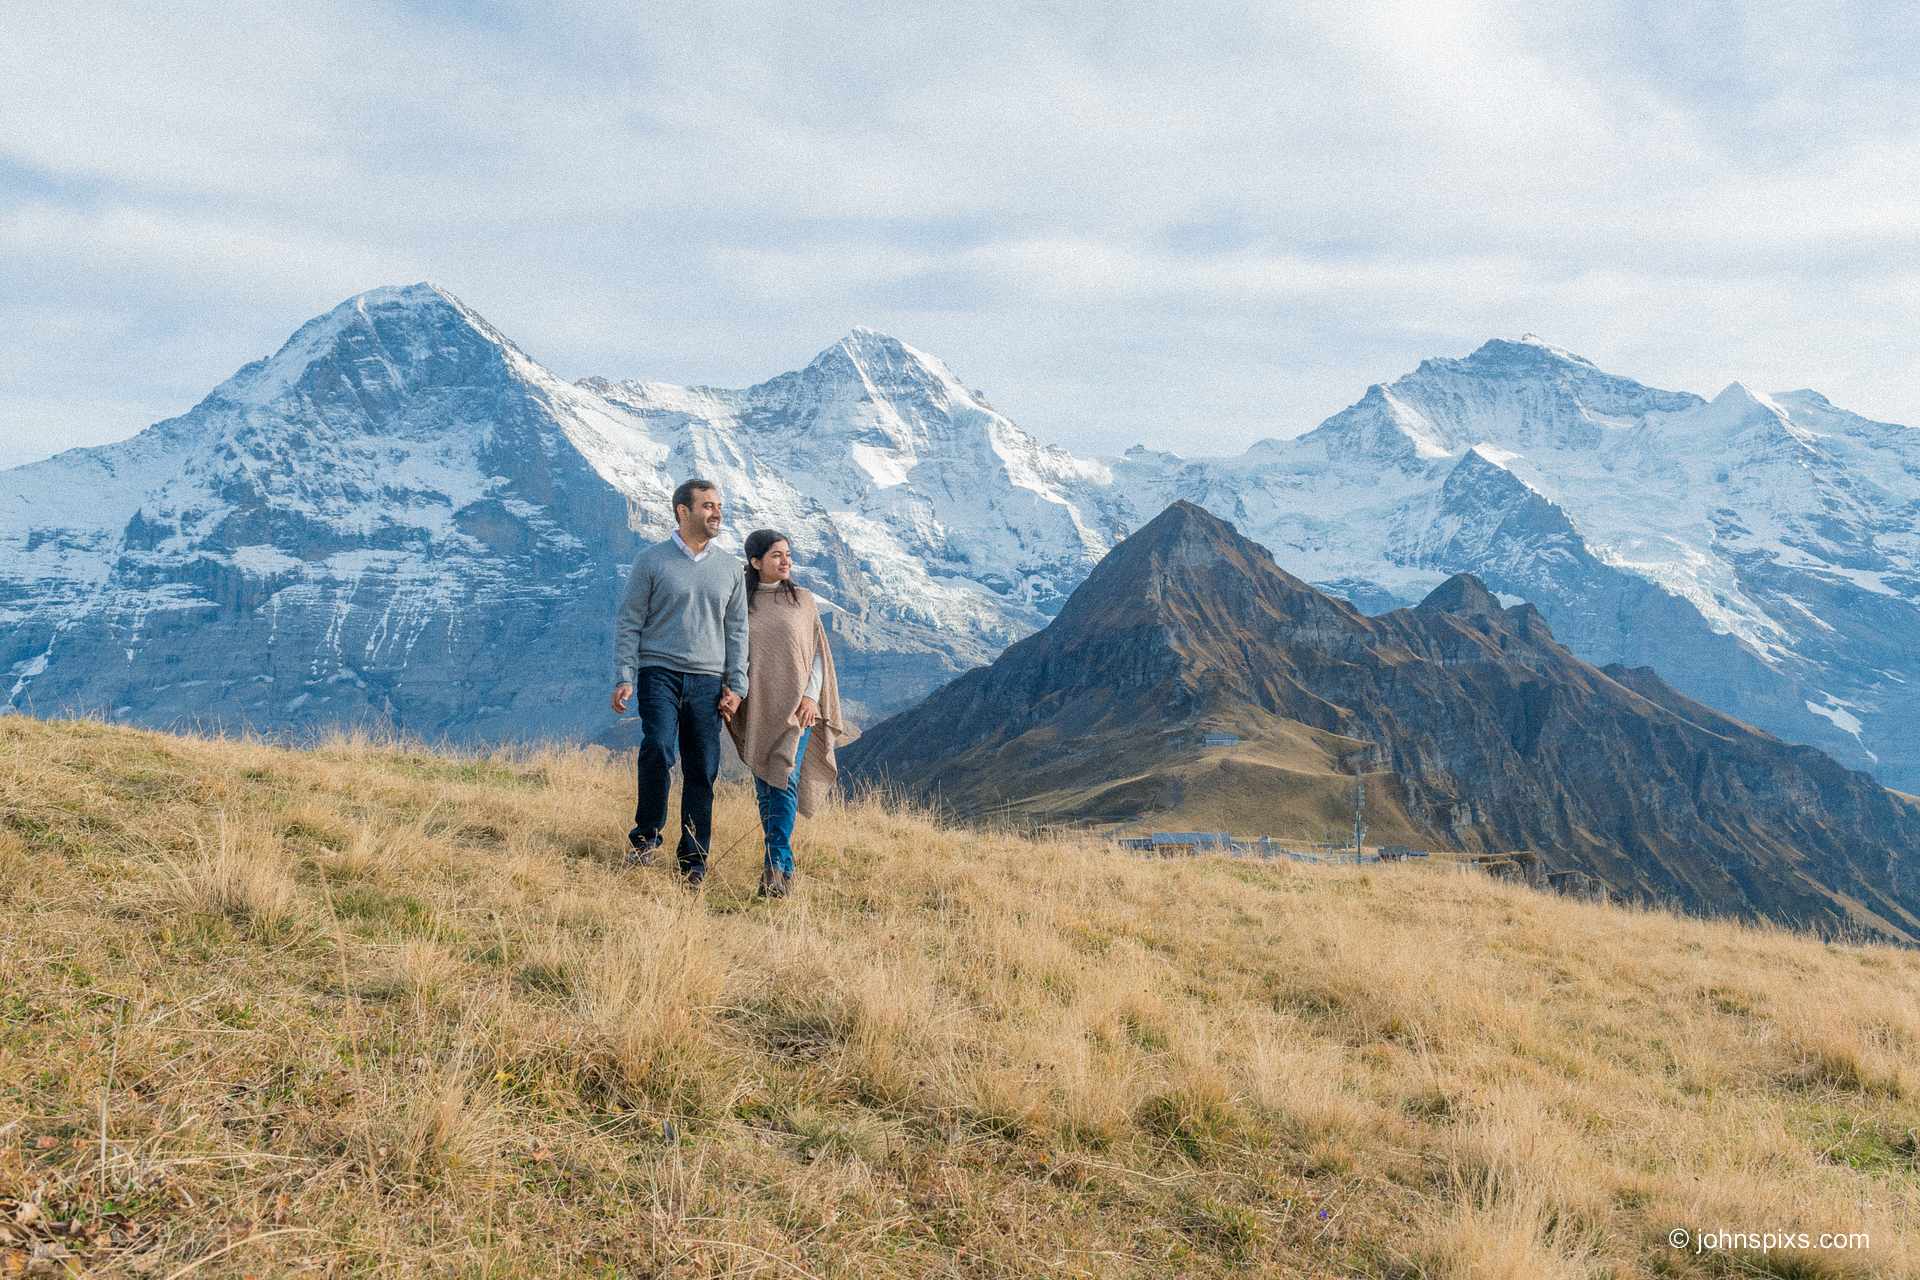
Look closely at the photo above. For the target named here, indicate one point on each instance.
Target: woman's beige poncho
(781, 640)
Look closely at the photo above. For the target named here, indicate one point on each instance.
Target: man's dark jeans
(680, 717)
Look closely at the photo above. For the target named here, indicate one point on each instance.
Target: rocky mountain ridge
(1472, 726)
(401, 514)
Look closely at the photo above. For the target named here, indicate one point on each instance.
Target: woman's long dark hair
(759, 542)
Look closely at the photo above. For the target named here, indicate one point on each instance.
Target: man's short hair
(683, 496)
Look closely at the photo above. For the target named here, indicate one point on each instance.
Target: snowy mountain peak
(421, 293)
(1535, 340)
(1755, 426)
(380, 343)
(1737, 406)
(1805, 396)
(887, 366)
(1738, 398)
(1381, 425)
(862, 333)
(1530, 352)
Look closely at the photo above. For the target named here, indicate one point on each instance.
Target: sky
(1185, 226)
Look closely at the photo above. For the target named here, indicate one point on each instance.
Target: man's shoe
(640, 847)
(693, 877)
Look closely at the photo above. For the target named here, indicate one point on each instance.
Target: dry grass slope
(369, 1010)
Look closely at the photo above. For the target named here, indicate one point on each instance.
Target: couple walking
(687, 628)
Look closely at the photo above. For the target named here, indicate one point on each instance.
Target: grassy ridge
(366, 1010)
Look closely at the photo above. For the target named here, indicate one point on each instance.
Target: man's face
(703, 516)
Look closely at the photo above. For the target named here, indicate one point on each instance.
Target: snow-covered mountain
(927, 503)
(1761, 552)
(401, 515)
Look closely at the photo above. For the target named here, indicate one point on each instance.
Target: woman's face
(776, 565)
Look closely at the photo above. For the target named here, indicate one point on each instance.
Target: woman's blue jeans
(779, 806)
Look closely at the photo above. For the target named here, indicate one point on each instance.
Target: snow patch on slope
(1840, 712)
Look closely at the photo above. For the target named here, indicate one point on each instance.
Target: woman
(788, 727)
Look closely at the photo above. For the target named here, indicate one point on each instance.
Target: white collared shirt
(695, 556)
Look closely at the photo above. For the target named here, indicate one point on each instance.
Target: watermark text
(1716, 1241)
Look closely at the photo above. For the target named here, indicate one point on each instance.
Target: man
(680, 653)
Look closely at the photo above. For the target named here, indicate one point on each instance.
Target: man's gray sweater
(684, 614)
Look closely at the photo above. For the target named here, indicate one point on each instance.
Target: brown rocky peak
(1464, 595)
(1183, 538)
(1190, 569)
(1185, 525)
(1496, 738)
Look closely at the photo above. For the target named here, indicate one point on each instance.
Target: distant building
(1221, 739)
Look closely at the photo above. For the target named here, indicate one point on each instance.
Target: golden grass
(238, 871)
(371, 1010)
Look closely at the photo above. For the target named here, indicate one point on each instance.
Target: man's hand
(622, 695)
(729, 703)
(807, 713)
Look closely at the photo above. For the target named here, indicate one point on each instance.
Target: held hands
(623, 694)
(807, 714)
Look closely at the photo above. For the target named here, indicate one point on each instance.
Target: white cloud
(1125, 222)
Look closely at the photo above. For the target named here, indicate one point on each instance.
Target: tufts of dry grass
(646, 997)
(374, 1010)
(238, 871)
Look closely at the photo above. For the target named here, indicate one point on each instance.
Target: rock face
(1494, 735)
(403, 517)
